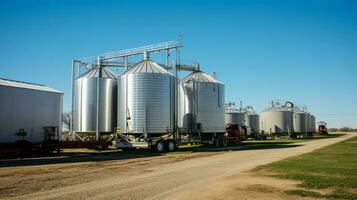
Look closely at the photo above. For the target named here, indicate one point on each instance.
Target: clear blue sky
(304, 51)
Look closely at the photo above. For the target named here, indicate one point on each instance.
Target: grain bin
(277, 119)
(253, 122)
(252, 119)
(95, 91)
(300, 122)
(28, 107)
(308, 122)
(312, 124)
(146, 99)
(202, 104)
(236, 117)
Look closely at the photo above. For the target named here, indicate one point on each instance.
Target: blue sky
(304, 51)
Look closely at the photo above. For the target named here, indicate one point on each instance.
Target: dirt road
(205, 175)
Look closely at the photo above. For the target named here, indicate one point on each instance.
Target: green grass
(304, 193)
(333, 167)
(303, 139)
(283, 141)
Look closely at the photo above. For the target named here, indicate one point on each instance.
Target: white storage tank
(236, 117)
(146, 99)
(308, 122)
(277, 119)
(99, 81)
(313, 124)
(300, 122)
(28, 107)
(253, 122)
(201, 102)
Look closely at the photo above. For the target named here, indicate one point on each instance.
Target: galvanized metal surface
(253, 122)
(85, 101)
(277, 121)
(300, 122)
(308, 122)
(201, 102)
(25, 85)
(146, 99)
(30, 107)
(312, 123)
(239, 118)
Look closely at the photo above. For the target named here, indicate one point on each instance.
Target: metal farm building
(26, 109)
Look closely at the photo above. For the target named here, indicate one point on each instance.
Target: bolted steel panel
(239, 118)
(30, 107)
(253, 122)
(201, 103)
(146, 99)
(85, 102)
(300, 122)
(277, 121)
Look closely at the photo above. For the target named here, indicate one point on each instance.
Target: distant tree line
(343, 129)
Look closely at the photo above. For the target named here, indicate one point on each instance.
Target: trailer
(149, 100)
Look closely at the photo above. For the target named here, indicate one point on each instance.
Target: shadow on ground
(81, 157)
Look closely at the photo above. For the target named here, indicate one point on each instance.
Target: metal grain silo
(277, 119)
(95, 91)
(235, 117)
(308, 122)
(146, 99)
(253, 122)
(202, 103)
(300, 122)
(252, 119)
(313, 124)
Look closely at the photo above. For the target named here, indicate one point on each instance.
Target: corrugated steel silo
(253, 122)
(277, 120)
(236, 117)
(146, 99)
(202, 103)
(308, 122)
(300, 122)
(313, 124)
(99, 81)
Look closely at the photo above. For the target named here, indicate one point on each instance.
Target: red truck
(322, 128)
(234, 134)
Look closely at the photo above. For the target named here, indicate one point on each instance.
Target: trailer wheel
(238, 142)
(160, 146)
(223, 141)
(216, 142)
(171, 145)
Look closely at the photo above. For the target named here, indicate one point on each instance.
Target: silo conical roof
(147, 66)
(94, 73)
(199, 76)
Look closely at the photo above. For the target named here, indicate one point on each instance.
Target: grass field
(329, 173)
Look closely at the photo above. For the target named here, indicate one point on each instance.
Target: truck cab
(235, 134)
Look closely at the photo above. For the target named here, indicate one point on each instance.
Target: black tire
(171, 145)
(216, 142)
(223, 142)
(238, 142)
(160, 146)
